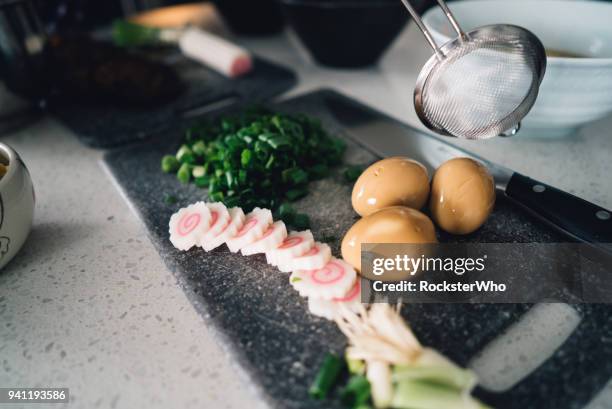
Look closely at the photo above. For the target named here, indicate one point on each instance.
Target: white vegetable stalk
(216, 52)
(398, 367)
(379, 334)
(378, 374)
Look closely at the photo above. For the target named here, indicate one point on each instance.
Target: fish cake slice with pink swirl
(219, 219)
(188, 226)
(231, 229)
(255, 224)
(334, 280)
(313, 259)
(329, 308)
(271, 239)
(296, 244)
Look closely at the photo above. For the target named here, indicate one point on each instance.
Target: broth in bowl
(551, 52)
(3, 166)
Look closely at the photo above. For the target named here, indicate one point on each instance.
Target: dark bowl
(251, 17)
(346, 33)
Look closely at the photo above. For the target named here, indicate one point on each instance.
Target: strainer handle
(451, 18)
(419, 22)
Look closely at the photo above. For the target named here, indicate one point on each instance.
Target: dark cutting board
(265, 324)
(105, 124)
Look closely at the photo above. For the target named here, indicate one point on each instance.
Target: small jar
(16, 204)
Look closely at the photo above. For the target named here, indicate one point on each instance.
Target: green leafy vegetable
(257, 158)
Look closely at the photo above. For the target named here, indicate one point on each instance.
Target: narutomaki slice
(236, 222)
(334, 280)
(188, 225)
(219, 219)
(271, 239)
(328, 308)
(296, 244)
(313, 259)
(255, 224)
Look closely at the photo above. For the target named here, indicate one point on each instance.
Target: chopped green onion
(170, 164)
(301, 221)
(278, 141)
(356, 392)
(184, 173)
(270, 162)
(295, 176)
(229, 177)
(363, 406)
(352, 173)
(185, 155)
(245, 157)
(198, 171)
(170, 199)
(202, 182)
(295, 194)
(217, 197)
(242, 176)
(319, 171)
(263, 158)
(285, 209)
(325, 379)
(231, 201)
(199, 148)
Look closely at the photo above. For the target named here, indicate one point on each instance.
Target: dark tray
(265, 324)
(104, 124)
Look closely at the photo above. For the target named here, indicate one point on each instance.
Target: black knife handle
(576, 217)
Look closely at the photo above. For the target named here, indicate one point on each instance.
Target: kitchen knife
(577, 218)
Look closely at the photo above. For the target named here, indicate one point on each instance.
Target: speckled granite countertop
(89, 305)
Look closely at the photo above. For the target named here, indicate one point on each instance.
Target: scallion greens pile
(257, 158)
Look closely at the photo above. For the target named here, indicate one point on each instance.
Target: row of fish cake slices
(327, 282)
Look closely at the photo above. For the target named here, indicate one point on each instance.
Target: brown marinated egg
(397, 224)
(395, 181)
(462, 195)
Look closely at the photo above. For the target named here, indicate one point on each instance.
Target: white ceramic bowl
(16, 204)
(575, 91)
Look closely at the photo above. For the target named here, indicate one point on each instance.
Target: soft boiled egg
(395, 181)
(462, 195)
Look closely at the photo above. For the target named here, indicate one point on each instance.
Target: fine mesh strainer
(481, 84)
